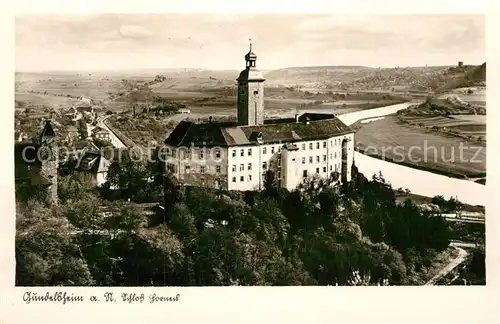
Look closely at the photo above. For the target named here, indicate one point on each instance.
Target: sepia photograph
(171, 149)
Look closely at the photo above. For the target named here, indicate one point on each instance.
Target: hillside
(429, 78)
(474, 76)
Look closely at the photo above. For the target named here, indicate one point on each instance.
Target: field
(422, 148)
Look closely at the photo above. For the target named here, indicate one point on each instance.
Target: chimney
(296, 118)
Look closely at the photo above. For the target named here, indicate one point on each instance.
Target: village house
(239, 155)
(100, 133)
(73, 114)
(96, 165)
(87, 111)
(72, 134)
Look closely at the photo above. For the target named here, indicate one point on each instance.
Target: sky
(208, 41)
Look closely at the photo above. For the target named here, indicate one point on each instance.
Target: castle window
(234, 179)
(234, 153)
(324, 158)
(249, 177)
(317, 170)
(279, 175)
(317, 159)
(201, 155)
(331, 143)
(264, 150)
(217, 183)
(217, 154)
(317, 145)
(234, 168)
(242, 167)
(202, 169)
(242, 152)
(249, 152)
(303, 160)
(335, 154)
(264, 166)
(303, 147)
(217, 168)
(256, 92)
(271, 165)
(324, 169)
(330, 168)
(324, 144)
(249, 166)
(187, 168)
(242, 178)
(304, 174)
(310, 159)
(272, 149)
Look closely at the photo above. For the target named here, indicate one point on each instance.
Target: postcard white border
(255, 304)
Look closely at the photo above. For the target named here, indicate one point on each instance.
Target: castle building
(238, 155)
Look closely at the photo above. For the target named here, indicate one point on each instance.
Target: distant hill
(428, 78)
(470, 77)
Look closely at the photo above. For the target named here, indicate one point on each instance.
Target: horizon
(219, 42)
(162, 69)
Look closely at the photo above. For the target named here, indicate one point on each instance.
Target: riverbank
(447, 173)
(389, 140)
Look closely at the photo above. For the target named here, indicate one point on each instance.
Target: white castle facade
(237, 155)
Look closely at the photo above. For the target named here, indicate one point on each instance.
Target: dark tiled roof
(98, 129)
(310, 127)
(84, 108)
(290, 147)
(208, 134)
(93, 162)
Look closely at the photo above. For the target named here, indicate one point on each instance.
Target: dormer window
(259, 138)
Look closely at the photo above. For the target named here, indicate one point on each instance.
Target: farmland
(392, 140)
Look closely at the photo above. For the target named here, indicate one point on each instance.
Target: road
(114, 140)
(462, 255)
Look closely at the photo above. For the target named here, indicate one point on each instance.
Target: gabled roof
(94, 162)
(48, 130)
(98, 129)
(309, 127)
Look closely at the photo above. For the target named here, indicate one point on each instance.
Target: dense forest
(320, 234)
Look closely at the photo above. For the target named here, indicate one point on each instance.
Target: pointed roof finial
(250, 40)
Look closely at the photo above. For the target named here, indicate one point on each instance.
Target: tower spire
(250, 40)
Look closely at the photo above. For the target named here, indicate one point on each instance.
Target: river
(417, 181)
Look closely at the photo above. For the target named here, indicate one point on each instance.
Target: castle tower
(251, 92)
(49, 160)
